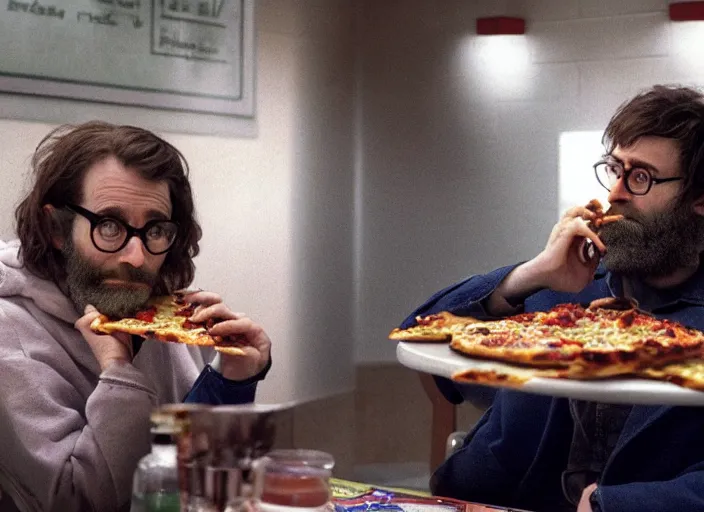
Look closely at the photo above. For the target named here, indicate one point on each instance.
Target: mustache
(627, 213)
(632, 219)
(129, 273)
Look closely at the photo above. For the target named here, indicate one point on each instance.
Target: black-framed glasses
(638, 181)
(110, 235)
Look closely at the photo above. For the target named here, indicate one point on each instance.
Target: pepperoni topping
(523, 318)
(186, 311)
(627, 319)
(191, 325)
(561, 319)
(146, 315)
(563, 342)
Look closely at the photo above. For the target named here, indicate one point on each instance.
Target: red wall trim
(502, 25)
(687, 11)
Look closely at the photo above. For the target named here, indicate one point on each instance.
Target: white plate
(438, 359)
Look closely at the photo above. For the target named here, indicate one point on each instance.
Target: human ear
(53, 225)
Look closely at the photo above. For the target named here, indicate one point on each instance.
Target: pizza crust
(512, 379)
(688, 374)
(436, 328)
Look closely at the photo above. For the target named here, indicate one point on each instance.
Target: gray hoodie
(71, 436)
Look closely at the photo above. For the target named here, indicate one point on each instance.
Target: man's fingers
(579, 212)
(230, 327)
(90, 314)
(216, 311)
(595, 206)
(203, 298)
(581, 228)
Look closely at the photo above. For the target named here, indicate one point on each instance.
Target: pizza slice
(437, 327)
(167, 319)
(514, 377)
(601, 217)
(688, 374)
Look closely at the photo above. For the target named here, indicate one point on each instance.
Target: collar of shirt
(653, 299)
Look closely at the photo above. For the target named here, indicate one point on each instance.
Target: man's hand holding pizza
(107, 349)
(256, 343)
(561, 266)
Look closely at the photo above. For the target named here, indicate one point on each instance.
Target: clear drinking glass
(297, 480)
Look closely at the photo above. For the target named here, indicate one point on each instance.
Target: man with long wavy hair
(108, 222)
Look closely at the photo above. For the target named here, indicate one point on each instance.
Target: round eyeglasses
(111, 235)
(637, 180)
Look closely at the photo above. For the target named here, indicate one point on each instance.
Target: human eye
(161, 231)
(640, 176)
(156, 232)
(110, 229)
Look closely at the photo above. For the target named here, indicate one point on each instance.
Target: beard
(86, 285)
(652, 245)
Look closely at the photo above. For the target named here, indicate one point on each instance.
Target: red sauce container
(297, 478)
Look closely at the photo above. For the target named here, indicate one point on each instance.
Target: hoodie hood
(16, 280)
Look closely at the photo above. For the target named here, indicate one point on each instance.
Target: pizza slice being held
(600, 217)
(167, 319)
(432, 328)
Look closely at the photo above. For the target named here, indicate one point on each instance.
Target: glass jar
(297, 480)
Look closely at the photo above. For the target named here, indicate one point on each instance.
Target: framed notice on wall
(176, 55)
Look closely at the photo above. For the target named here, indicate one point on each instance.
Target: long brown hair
(672, 112)
(59, 165)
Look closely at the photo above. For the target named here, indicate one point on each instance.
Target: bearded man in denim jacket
(554, 454)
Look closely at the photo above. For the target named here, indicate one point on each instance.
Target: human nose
(618, 191)
(133, 253)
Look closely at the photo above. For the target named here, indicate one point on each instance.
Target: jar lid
(300, 461)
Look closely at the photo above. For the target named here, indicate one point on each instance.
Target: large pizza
(608, 337)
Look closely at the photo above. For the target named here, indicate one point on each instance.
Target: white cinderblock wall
(461, 133)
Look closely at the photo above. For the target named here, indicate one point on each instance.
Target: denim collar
(652, 299)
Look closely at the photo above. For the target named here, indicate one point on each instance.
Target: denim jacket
(515, 455)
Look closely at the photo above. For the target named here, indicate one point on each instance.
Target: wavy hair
(669, 111)
(59, 165)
